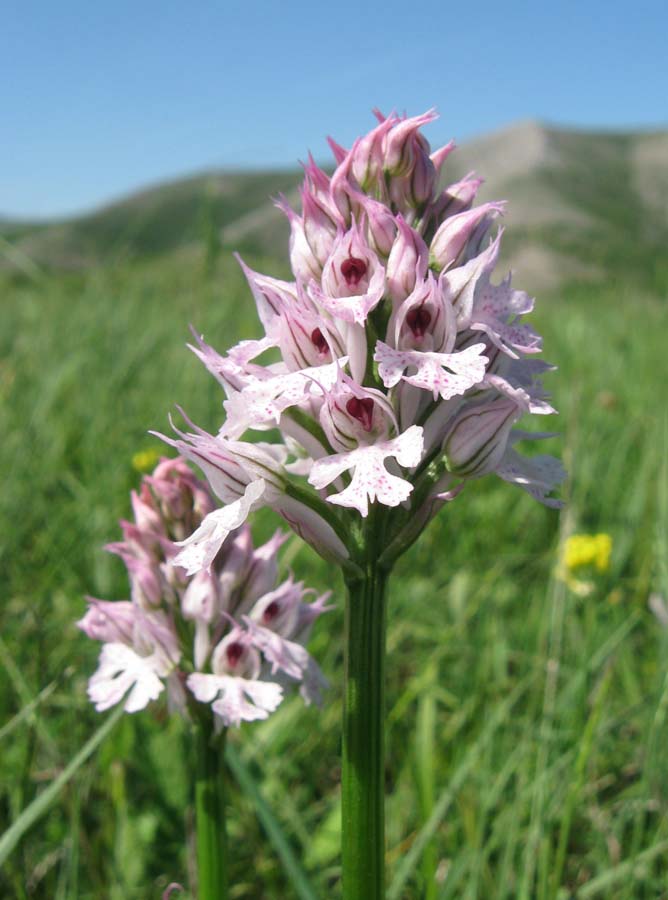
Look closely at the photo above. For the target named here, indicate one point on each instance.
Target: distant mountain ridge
(581, 205)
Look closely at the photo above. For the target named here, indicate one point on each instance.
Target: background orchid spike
(404, 365)
(229, 636)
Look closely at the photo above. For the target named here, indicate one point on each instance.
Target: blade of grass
(443, 803)
(621, 872)
(27, 711)
(271, 825)
(39, 806)
(577, 783)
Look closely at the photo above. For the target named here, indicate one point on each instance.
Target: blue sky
(100, 98)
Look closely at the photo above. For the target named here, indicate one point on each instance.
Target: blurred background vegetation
(527, 727)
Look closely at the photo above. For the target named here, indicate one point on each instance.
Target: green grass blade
(271, 825)
(602, 884)
(443, 803)
(35, 810)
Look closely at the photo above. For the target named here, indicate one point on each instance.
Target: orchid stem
(363, 762)
(210, 814)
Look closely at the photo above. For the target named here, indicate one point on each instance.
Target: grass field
(527, 735)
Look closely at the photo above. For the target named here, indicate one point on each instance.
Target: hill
(582, 205)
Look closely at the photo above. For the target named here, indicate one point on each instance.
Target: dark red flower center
(362, 410)
(418, 320)
(319, 341)
(234, 652)
(271, 611)
(353, 270)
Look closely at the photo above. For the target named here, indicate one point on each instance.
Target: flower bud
(320, 226)
(407, 262)
(403, 145)
(302, 258)
(108, 621)
(478, 436)
(367, 159)
(456, 231)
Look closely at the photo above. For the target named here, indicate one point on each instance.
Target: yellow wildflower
(581, 550)
(145, 460)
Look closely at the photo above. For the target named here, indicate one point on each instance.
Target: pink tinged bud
(262, 570)
(144, 510)
(438, 157)
(407, 263)
(423, 178)
(320, 226)
(403, 144)
(110, 622)
(272, 296)
(200, 600)
(381, 225)
(314, 529)
(147, 586)
(453, 235)
(338, 151)
(478, 436)
(302, 259)
(317, 180)
(458, 197)
(367, 157)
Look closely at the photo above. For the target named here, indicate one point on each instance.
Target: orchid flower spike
(211, 626)
(404, 364)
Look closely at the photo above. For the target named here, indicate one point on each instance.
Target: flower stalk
(363, 750)
(212, 856)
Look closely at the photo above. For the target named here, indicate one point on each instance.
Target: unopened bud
(478, 437)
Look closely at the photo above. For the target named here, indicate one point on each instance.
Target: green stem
(362, 780)
(210, 814)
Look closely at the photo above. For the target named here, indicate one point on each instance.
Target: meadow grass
(526, 727)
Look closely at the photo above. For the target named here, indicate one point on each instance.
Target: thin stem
(362, 788)
(210, 814)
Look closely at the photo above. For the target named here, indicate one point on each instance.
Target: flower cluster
(229, 636)
(402, 366)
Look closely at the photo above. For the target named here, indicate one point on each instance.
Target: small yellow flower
(145, 460)
(582, 550)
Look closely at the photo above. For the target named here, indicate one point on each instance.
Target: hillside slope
(582, 205)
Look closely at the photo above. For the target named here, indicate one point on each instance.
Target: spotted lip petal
(123, 673)
(496, 311)
(371, 480)
(236, 700)
(444, 374)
